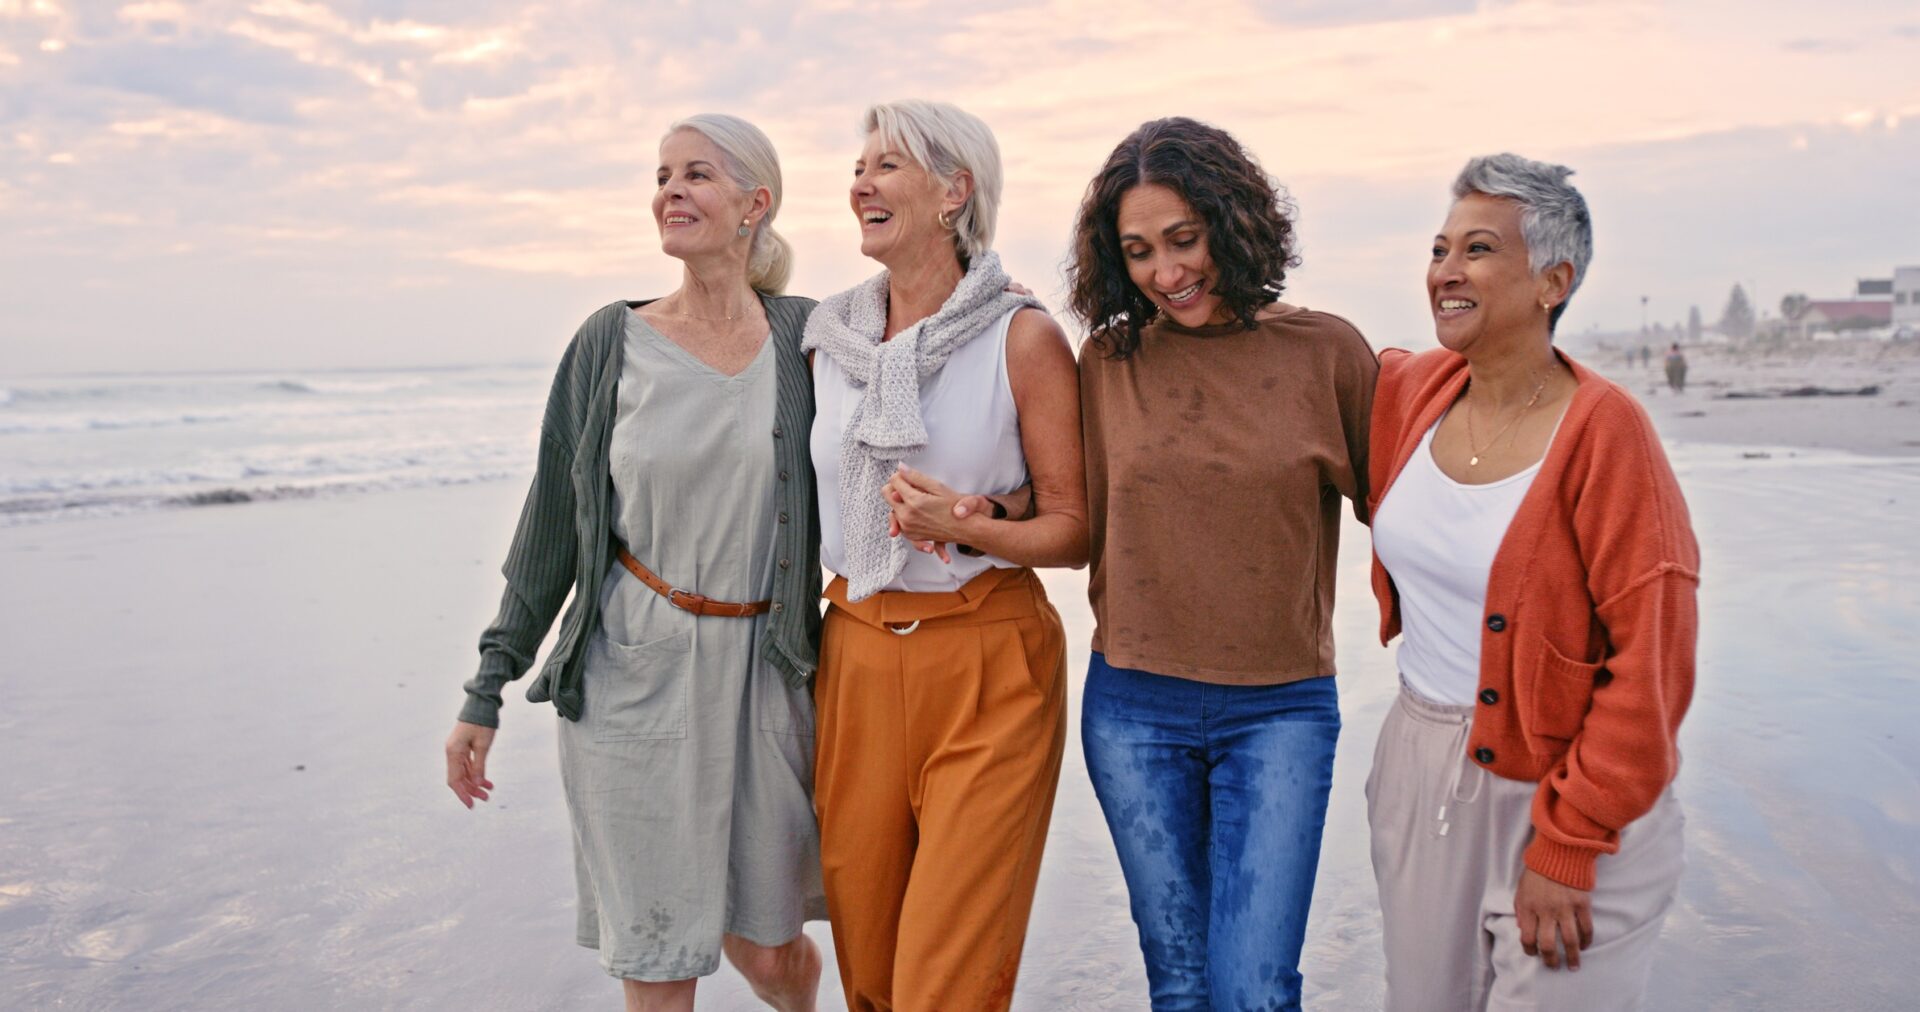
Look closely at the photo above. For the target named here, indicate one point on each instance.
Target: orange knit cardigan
(1587, 643)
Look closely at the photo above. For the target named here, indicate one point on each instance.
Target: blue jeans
(1216, 796)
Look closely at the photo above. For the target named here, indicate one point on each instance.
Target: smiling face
(697, 206)
(898, 204)
(1164, 243)
(1480, 281)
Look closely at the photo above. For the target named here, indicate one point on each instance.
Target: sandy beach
(1758, 395)
(221, 730)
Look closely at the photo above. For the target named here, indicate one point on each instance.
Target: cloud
(224, 75)
(153, 12)
(1818, 46)
(1342, 12)
(500, 147)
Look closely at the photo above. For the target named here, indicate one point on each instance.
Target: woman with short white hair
(1533, 550)
(942, 678)
(673, 500)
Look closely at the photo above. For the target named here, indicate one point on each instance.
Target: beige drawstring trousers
(1447, 840)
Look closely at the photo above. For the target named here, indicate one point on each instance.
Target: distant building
(1873, 288)
(1830, 317)
(1880, 307)
(1906, 297)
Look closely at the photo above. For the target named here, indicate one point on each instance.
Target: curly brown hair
(1248, 216)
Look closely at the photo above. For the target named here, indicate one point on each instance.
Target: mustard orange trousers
(939, 753)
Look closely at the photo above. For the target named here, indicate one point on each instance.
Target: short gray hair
(1553, 215)
(752, 163)
(946, 140)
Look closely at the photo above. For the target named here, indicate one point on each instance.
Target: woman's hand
(467, 761)
(926, 511)
(1546, 909)
(963, 507)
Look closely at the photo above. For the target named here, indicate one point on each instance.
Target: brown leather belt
(686, 600)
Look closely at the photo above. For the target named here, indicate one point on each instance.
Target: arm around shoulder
(1356, 372)
(1046, 391)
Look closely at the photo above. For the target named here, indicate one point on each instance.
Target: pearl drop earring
(745, 230)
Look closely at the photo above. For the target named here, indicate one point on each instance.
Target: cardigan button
(783, 518)
(784, 563)
(783, 475)
(1497, 622)
(776, 607)
(1484, 755)
(776, 432)
(1489, 696)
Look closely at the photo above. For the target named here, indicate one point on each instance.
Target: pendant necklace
(1473, 444)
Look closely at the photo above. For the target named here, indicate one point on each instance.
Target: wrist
(968, 529)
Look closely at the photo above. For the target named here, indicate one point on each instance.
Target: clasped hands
(930, 514)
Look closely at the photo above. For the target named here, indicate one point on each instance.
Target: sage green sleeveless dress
(689, 776)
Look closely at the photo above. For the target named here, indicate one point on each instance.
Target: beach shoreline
(1761, 396)
(231, 716)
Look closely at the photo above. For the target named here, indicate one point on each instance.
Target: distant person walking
(1676, 369)
(1533, 551)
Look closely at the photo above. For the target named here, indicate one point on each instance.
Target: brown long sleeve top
(1216, 461)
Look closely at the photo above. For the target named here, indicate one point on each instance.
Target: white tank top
(973, 445)
(1437, 538)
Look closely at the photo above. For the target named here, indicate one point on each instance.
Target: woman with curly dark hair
(1222, 428)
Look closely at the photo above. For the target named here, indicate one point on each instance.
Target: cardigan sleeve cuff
(483, 689)
(1567, 865)
(480, 710)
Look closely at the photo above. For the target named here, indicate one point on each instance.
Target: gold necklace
(1474, 445)
(728, 318)
(707, 319)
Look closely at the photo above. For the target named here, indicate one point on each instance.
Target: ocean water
(94, 445)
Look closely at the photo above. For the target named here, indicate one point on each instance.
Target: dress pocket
(783, 708)
(638, 693)
(1562, 694)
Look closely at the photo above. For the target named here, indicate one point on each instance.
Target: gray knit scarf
(886, 427)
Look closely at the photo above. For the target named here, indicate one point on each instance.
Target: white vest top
(973, 445)
(1437, 538)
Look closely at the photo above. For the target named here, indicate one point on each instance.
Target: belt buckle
(687, 600)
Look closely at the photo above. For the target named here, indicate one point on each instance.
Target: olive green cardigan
(564, 540)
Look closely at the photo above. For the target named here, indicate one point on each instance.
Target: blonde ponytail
(770, 265)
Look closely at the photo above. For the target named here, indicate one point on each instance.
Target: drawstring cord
(1458, 752)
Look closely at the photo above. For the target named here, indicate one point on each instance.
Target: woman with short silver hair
(942, 677)
(1532, 547)
(670, 465)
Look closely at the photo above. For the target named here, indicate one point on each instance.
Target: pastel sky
(287, 184)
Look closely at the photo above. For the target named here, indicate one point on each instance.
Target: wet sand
(1733, 395)
(221, 729)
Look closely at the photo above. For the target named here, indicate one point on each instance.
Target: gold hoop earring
(746, 228)
(946, 221)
